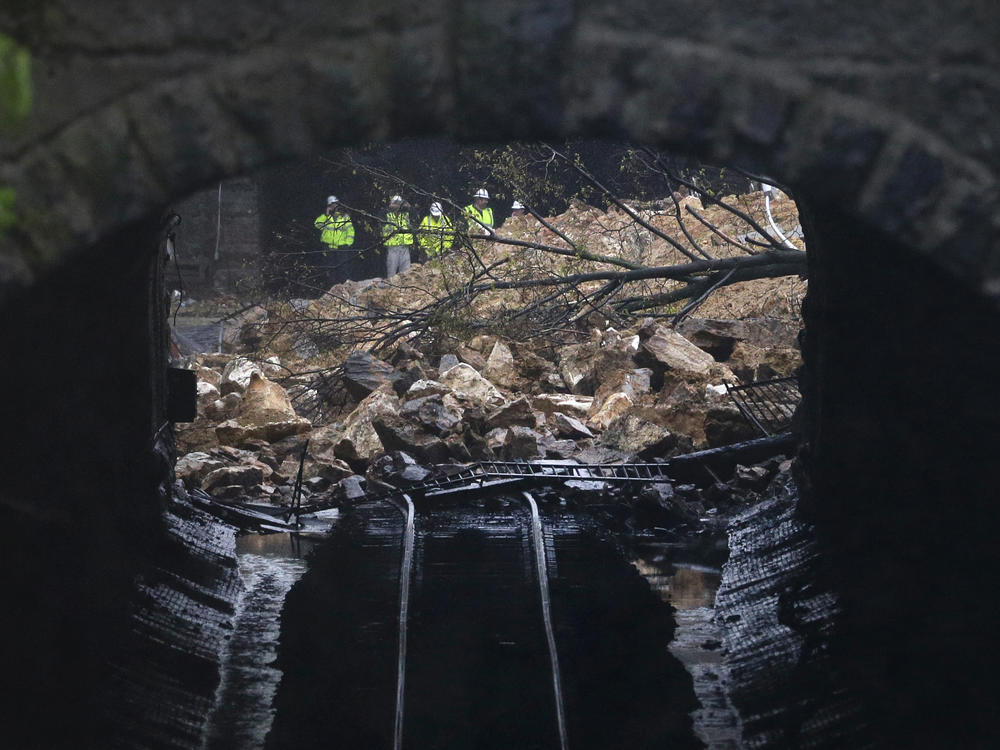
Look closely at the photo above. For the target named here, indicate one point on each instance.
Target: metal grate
(768, 404)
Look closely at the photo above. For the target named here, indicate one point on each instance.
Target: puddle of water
(684, 585)
(691, 587)
(274, 546)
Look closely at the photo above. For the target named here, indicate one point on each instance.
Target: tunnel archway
(116, 153)
(893, 185)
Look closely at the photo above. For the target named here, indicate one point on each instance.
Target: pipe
(768, 190)
(218, 223)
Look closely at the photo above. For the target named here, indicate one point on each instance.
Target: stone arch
(200, 114)
(139, 103)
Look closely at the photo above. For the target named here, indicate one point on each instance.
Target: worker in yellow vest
(479, 214)
(336, 233)
(336, 226)
(397, 237)
(436, 233)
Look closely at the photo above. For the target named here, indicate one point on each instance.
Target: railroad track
(436, 625)
(427, 621)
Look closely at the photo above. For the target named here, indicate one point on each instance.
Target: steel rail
(543, 590)
(405, 575)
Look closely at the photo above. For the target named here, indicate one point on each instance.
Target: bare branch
(624, 206)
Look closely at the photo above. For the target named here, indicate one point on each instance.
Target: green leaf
(7, 215)
(15, 81)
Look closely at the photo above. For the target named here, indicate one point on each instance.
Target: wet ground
(678, 573)
(269, 565)
(478, 671)
(631, 621)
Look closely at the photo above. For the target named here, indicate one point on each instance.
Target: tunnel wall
(878, 118)
(899, 480)
(83, 485)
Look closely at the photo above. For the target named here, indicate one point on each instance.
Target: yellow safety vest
(338, 231)
(396, 230)
(436, 235)
(477, 218)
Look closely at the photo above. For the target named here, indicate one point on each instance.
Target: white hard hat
(331, 199)
(436, 209)
(481, 193)
(516, 205)
(396, 199)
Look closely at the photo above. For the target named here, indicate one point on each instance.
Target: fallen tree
(545, 276)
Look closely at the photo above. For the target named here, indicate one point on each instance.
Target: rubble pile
(643, 394)
(603, 395)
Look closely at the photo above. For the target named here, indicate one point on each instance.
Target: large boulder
(398, 434)
(236, 375)
(500, 368)
(552, 448)
(242, 332)
(660, 505)
(634, 383)
(208, 375)
(531, 368)
(576, 366)
(223, 408)
(396, 468)
(198, 435)
(569, 427)
(421, 388)
(436, 413)
(520, 442)
(476, 445)
(349, 489)
(717, 337)
(265, 413)
(614, 406)
(664, 349)
(446, 362)
(230, 476)
(749, 362)
(635, 433)
(471, 357)
(193, 467)
(569, 404)
(265, 401)
(364, 373)
(356, 438)
(495, 439)
(586, 367)
(465, 380)
(291, 446)
(332, 470)
(206, 393)
(517, 412)
(482, 343)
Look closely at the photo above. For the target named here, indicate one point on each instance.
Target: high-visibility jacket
(477, 218)
(436, 235)
(396, 229)
(338, 231)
